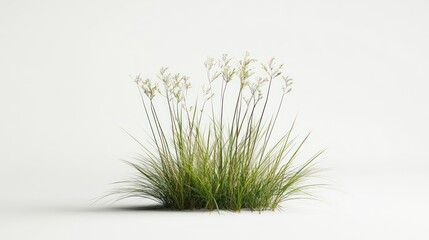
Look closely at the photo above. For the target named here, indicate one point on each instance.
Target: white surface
(361, 73)
(377, 208)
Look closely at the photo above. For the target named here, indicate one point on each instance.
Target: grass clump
(218, 153)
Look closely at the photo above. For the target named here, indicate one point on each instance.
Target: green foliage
(206, 157)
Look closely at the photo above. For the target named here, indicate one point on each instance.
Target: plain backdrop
(361, 86)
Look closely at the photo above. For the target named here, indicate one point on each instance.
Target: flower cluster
(176, 86)
(149, 88)
(287, 84)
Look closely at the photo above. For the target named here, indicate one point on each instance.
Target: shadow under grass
(130, 208)
(119, 209)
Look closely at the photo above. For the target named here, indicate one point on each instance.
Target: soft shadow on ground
(112, 209)
(124, 208)
(87, 209)
(131, 208)
(153, 207)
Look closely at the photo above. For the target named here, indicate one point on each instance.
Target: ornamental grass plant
(217, 151)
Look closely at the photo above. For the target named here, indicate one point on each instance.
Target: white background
(361, 73)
